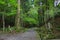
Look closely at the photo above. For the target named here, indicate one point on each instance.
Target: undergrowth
(44, 33)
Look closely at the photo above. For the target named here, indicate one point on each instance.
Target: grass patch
(13, 30)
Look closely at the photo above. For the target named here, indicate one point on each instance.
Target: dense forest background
(19, 14)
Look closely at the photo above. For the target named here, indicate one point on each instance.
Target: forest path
(28, 35)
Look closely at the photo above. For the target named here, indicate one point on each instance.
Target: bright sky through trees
(56, 2)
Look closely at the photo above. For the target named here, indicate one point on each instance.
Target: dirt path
(29, 35)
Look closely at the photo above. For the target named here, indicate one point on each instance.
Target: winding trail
(29, 35)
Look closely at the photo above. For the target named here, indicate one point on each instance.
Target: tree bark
(17, 20)
(3, 22)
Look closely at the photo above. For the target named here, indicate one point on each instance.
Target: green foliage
(31, 17)
(8, 7)
(52, 12)
(29, 14)
(44, 33)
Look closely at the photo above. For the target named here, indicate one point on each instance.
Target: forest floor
(28, 35)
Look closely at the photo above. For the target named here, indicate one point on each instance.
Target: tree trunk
(3, 22)
(17, 20)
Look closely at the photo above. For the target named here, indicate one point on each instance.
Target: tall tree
(49, 14)
(17, 21)
(3, 19)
